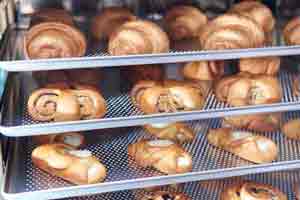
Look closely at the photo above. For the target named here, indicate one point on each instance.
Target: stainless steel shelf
(23, 180)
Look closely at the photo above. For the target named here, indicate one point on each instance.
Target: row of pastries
(248, 24)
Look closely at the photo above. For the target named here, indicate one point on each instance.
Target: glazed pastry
(291, 129)
(76, 166)
(168, 96)
(257, 122)
(252, 191)
(262, 65)
(73, 139)
(138, 37)
(54, 40)
(231, 31)
(178, 132)
(163, 155)
(254, 148)
(257, 11)
(245, 89)
(52, 15)
(203, 70)
(184, 22)
(291, 32)
(164, 195)
(109, 20)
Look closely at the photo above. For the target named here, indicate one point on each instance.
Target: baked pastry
(257, 149)
(73, 139)
(252, 191)
(245, 89)
(164, 155)
(184, 22)
(257, 122)
(262, 65)
(291, 129)
(138, 37)
(109, 20)
(164, 195)
(178, 132)
(291, 32)
(52, 15)
(167, 96)
(76, 166)
(54, 40)
(203, 70)
(257, 11)
(231, 31)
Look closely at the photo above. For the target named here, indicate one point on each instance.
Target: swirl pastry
(164, 195)
(157, 97)
(76, 166)
(257, 149)
(231, 31)
(52, 15)
(163, 155)
(291, 129)
(138, 37)
(258, 122)
(246, 89)
(54, 40)
(73, 139)
(203, 70)
(263, 65)
(291, 32)
(109, 20)
(252, 191)
(257, 11)
(184, 22)
(178, 132)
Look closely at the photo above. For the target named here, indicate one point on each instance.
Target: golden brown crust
(291, 32)
(257, 149)
(54, 40)
(291, 129)
(262, 65)
(78, 167)
(73, 139)
(203, 70)
(109, 20)
(164, 195)
(231, 31)
(184, 22)
(52, 15)
(138, 37)
(163, 155)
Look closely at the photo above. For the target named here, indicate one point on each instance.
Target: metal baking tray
(97, 56)
(16, 121)
(23, 180)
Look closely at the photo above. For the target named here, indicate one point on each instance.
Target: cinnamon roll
(262, 65)
(52, 15)
(203, 70)
(54, 40)
(231, 31)
(109, 20)
(246, 89)
(184, 22)
(291, 32)
(138, 37)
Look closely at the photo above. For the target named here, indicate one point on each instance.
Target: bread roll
(184, 22)
(138, 37)
(254, 148)
(291, 32)
(109, 20)
(291, 129)
(163, 155)
(75, 166)
(262, 65)
(73, 139)
(164, 195)
(178, 132)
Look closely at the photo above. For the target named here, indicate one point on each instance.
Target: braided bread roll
(203, 70)
(75, 166)
(109, 20)
(246, 89)
(138, 37)
(163, 155)
(257, 149)
(291, 32)
(52, 15)
(231, 31)
(262, 65)
(54, 40)
(184, 22)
